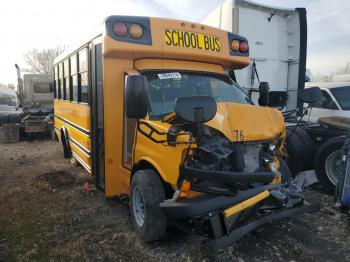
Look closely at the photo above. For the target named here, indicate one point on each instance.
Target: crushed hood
(239, 122)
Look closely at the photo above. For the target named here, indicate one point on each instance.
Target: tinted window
(43, 87)
(61, 94)
(84, 87)
(75, 88)
(56, 82)
(326, 102)
(342, 95)
(83, 76)
(67, 88)
(8, 100)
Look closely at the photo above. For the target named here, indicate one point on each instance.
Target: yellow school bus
(150, 108)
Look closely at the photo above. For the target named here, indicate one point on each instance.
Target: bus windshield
(165, 87)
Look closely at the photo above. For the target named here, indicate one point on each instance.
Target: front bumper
(221, 182)
(207, 216)
(226, 239)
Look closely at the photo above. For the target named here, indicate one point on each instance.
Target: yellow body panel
(118, 60)
(166, 64)
(165, 159)
(76, 119)
(240, 122)
(245, 204)
(159, 49)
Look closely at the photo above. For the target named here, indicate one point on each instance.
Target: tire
(286, 175)
(300, 149)
(147, 190)
(326, 152)
(67, 153)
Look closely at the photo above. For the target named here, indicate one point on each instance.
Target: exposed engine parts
(216, 152)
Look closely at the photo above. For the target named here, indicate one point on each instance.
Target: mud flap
(238, 233)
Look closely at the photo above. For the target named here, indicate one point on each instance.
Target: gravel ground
(47, 212)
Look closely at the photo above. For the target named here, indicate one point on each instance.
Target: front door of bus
(97, 115)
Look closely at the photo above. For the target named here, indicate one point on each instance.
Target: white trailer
(277, 44)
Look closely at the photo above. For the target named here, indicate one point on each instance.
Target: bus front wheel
(146, 192)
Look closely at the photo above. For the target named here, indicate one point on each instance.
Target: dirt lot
(46, 213)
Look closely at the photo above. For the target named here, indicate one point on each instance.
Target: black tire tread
(153, 193)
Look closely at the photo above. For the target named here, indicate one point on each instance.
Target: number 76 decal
(238, 135)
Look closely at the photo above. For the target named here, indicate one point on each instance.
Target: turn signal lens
(136, 31)
(243, 47)
(120, 29)
(185, 188)
(235, 45)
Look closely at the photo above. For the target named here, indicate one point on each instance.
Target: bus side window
(66, 80)
(83, 76)
(60, 81)
(55, 93)
(74, 77)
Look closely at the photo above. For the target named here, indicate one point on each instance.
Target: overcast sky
(28, 24)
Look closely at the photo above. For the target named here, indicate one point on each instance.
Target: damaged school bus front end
(183, 139)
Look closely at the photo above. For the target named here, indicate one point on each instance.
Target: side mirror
(264, 97)
(136, 96)
(310, 95)
(195, 109)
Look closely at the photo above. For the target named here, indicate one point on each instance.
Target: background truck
(36, 94)
(10, 115)
(277, 37)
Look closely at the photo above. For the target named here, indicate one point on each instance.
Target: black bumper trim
(208, 203)
(240, 232)
(190, 174)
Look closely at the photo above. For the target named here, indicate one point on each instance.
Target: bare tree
(328, 77)
(41, 61)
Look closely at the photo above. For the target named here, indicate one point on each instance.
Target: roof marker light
(120, 29)
(235, 45)
(136, 31)
(243, 47)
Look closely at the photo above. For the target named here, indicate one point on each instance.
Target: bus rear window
(43, 88)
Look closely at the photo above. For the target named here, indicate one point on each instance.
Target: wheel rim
(334, 166)
(138, 207)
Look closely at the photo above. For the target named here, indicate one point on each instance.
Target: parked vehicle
(278, 39)
(36, 94)
(10, 115)
(335, 101)
(150, 112)
(8, 100)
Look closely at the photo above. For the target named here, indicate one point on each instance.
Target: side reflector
(185, 188)
(136, 31)
(120, 29)
(243, 47)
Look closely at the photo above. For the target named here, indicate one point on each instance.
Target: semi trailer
(278, 42)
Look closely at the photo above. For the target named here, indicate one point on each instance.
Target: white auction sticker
(176, 75)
